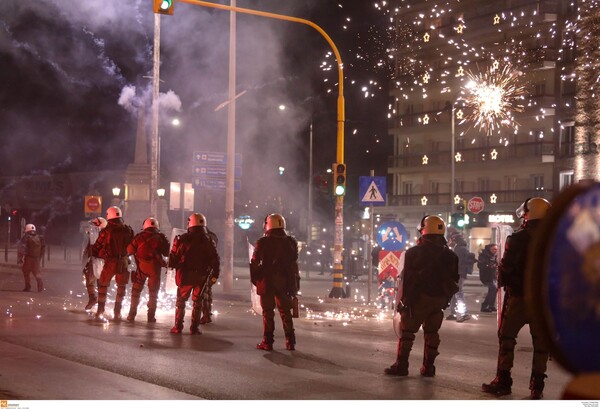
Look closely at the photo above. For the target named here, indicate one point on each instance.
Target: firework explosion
(491, 98)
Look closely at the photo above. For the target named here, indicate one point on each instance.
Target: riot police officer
(274, 271)
(111, 246)
(29, 253)
(196, 260)
(148, 248)
(92, 263)
(514, 315)
(430, 278)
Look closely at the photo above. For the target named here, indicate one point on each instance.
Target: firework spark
(492, 97)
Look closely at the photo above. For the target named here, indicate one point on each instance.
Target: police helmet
(29, 227)
(196, 219)
(274, 221)
(113, 212)
(150, 222)
(533, 208)
(432, 224)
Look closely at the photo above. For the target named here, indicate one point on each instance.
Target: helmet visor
(521, 211)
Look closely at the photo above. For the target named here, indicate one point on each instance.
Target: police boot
(91, 302)
(536, 385)
(428, 368)
(100, 311)
(178, 327)
(267, 343)
(151, 314)
(40, 285)
(117, 311)
(500, 385)
(290, 342)
(398, 368)
(27, 288)
(194, 330)
(132, 313)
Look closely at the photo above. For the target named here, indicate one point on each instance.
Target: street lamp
(116, 200)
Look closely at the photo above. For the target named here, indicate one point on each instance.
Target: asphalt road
(51, 349)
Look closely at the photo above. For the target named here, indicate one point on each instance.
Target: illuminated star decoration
(493, 198)
(460, 28)
(491, 98)
(461, 72)
(424, 201)
(496, 19)
(426, 78)
(426, 37)
(458, 156)
(425, 159)
(495, 65)
(494, 154)
(459, 114)
(426, 119)
(456, 199)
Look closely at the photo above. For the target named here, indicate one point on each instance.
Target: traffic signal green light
(459, 220)
(164, 6)
(339, 179)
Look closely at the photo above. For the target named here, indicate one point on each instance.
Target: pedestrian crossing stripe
(373, 194)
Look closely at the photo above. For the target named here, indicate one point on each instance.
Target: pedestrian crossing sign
(372, 190)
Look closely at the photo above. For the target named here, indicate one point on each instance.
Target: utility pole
(230, 172)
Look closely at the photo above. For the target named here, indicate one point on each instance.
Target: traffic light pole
(338, 274)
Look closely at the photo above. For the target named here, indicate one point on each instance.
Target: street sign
(392, 236)
(475, 205)
(389, 263)
(372, 190)
(214, 172)
(215, 158)
(93, 204)
(215, 184)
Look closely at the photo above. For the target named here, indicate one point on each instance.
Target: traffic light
(339, 179)
(459, 220)
(164, 6)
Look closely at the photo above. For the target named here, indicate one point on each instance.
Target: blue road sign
(371, 190)
(214, 172)
(215, 184)
(215, 158)
(392, 236)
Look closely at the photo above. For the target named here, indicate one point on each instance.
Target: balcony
(510, 199)
(514, 152)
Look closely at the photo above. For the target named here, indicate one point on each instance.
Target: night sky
(74, 73)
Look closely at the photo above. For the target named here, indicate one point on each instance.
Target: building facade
(447, 152)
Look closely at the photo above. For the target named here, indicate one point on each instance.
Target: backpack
(34, 246)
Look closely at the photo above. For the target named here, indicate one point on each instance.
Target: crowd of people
(433, 276)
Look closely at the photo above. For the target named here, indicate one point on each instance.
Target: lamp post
(116, 200)
(154, 145)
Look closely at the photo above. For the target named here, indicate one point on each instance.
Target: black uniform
(515, 314)
(430, 278)
(111, 246)
(274, 271)
(194, 256)
(30, 252)
(488, 271)
(148, 247)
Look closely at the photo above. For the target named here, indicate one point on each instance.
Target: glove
(402, 307)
